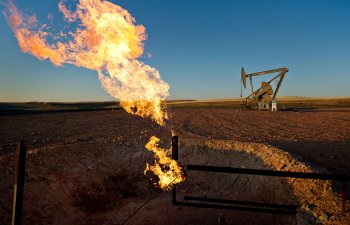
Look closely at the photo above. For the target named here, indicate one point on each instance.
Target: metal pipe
(174, 147)
(246, 203)
(175, 156)
(238, 208)
(318, 176)
(19, 184)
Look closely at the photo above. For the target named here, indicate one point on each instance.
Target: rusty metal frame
(252, 206)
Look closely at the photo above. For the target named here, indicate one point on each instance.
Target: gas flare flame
(168, 171)
(106, 39)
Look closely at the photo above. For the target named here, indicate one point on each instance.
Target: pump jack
(264, 97)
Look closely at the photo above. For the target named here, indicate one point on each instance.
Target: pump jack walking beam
(283, 69)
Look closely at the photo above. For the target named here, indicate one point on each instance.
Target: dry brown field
(86, 167)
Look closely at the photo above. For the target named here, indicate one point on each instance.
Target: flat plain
(86, 166)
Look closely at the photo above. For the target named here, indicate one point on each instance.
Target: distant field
(283, 103)
(45, 107)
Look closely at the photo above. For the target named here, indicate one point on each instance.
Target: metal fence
(247, 205)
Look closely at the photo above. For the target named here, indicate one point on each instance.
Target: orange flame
(106, 39)
(168, 170)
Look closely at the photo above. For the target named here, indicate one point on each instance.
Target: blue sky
(199, 48)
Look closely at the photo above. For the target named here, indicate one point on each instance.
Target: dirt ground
(319, 136)
(79, 163)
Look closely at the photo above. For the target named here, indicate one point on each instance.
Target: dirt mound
(318, 200)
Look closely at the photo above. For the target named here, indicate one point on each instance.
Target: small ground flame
(168, 171)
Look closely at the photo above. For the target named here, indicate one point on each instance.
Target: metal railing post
(21, 153)
(175, 156)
